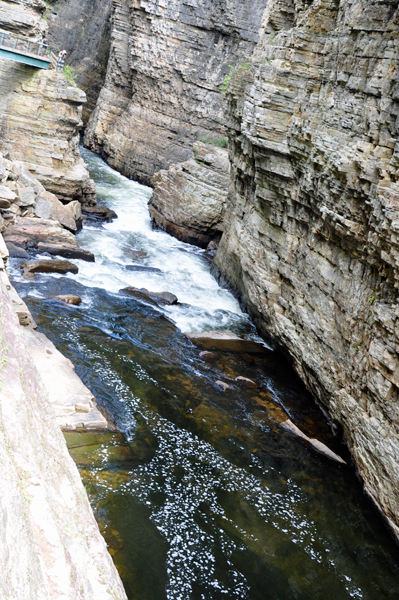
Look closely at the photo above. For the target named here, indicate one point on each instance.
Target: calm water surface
(202, 496)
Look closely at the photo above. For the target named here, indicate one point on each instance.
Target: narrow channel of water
(202, 496)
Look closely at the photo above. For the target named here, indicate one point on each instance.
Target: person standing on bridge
(45, 45)
(61, 59)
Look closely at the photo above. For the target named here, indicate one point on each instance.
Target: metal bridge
(35, 54)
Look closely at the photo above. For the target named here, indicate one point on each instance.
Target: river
(202, 495)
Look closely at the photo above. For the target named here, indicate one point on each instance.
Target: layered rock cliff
(189, 199)
(312, 238)
(40, 113)
(162, 89)
(83, 29)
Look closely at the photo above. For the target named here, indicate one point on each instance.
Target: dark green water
(202, 496)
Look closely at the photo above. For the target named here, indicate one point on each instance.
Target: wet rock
(49, 207)
(137, 254)
(70, 299)
(143, 269)
(66, 251)
(99, 213)
(48, 266)
(223, 386)
(212, 247)
(165, 298)
(247, 382)
(223, 340)
(318, 446)
(16, 251)
(205, 355)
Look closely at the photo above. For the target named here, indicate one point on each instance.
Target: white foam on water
(185, 270)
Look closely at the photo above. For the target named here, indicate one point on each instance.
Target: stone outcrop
(41, 113)
(312, 238)
(189, 199)
(162, 89)
(51, 546)
(83, 29)
(22, 195)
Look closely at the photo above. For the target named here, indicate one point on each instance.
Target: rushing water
(202, 496)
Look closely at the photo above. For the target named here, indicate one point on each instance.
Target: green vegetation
(234, 72)
(220, 142)
(70, 74)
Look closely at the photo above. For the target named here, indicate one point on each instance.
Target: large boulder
(189, 199)
(29, 232)
(49, 207)
(48, 266)
(66, 251)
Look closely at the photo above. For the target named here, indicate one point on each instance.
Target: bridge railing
(14, 43)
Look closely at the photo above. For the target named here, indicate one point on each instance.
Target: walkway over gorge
(23, 50)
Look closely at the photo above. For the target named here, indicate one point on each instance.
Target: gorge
(299, 214)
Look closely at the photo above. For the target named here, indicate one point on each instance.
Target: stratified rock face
(162, 90)
(23, 17)
(189, 199)
(51, 547)
(40, 115)
(83, 29)
(312, 239)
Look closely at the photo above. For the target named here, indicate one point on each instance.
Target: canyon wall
(83, 29)
(162, 89)
(311, 242)
(40, 113)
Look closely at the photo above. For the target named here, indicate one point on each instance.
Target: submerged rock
(144, 269)
(223, 386)
(159, 297)
(48, 266)
(247, 382)
(70, 299)
(318, 446)
(137, 254)
(223, 340)
(205, 355)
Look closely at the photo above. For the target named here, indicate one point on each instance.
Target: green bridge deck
(25, 51)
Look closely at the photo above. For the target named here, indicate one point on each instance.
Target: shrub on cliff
(70, 75)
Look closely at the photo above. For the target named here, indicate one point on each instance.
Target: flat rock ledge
(224, 340)
(73, 403)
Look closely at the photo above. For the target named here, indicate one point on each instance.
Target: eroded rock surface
(189, 199)
(311, 241)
